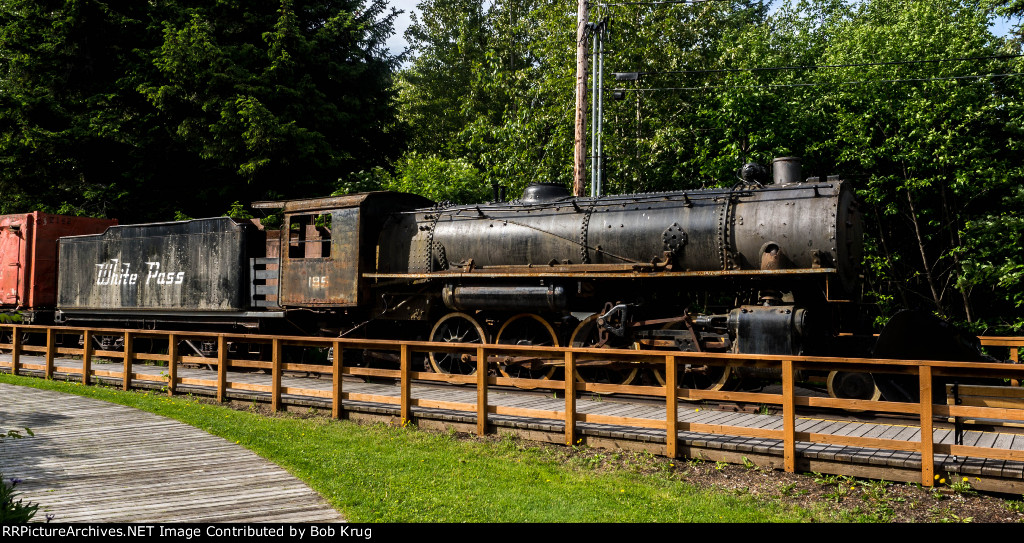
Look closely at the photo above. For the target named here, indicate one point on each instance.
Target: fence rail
(19, 340)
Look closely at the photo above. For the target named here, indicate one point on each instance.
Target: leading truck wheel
(527, 329)
(456, 328)
(698, 378)
(690, 376)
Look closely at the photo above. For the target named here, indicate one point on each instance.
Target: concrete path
(93, 461)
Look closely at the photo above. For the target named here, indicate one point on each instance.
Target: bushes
(14, 511)
(440, 179)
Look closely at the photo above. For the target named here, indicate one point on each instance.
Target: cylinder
(505, 298)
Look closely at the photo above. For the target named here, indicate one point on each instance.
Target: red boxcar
(28, 259)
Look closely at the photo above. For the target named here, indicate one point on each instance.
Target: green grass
(379, 473)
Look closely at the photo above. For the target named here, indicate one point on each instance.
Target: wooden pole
(671, 407)
(406, 408)
(579, 148)
(222, 368)
(927, 438)
(15, 349)
(788, 417)
(275, 375)
(336, 381)
(86, 355)
(481, 391)
(172, 363)
(126, 383)
(570, 397)
(1014, 359)
(51, 348)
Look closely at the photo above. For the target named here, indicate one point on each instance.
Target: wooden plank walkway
(93, 461)
(859, 459)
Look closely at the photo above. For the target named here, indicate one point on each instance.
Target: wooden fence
(43, 341)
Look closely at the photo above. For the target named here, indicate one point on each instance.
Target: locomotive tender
(755, 268)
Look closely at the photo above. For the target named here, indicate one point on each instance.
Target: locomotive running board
(560, 272)
(114, 314)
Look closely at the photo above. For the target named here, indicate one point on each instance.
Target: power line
(867, 81)
(632, 75)
(659, 2)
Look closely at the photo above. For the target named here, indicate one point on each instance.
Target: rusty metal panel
(328, 243)
(187, 266)
(11, 264)
(320, 265)
(28, 255)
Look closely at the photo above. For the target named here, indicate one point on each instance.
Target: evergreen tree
(137, 110)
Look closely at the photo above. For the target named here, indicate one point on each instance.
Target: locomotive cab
(327, 244)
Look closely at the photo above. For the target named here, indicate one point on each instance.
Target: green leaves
(452, 180)
(906, 100)
(136, 110)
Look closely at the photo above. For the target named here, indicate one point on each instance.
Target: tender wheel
(456, 328)
(853, 386)
(588, 334)
(527, 329)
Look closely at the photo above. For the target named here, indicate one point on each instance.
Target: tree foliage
(139, 109)
(147, 110)
(930, 145)
(452, 180)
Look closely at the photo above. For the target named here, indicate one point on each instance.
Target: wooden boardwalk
(986, 474)
(93, 461)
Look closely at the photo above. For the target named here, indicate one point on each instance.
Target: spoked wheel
(527, 329)
(588, 334)
(456, 328)
(853, 386)
(698, 378)
(689, 375)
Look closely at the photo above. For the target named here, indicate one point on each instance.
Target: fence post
(15, 347)
(788, 417)
(927, 437)
(671, 407)
(275, 375)
(51, 347)
(172, 363)
(126, 382)
(86, 356)
(570, 397)
(222, 367)
(406, 411)
(1014, 357)
(339, 365)
(481, 391)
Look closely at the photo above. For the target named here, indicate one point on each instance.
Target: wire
(659, 2)
(814, 67)
(727, 87)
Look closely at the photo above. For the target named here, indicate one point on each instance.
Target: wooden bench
(999, 397)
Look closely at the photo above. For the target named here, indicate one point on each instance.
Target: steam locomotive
(764, 266)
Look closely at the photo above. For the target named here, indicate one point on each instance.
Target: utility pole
(579, 152)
